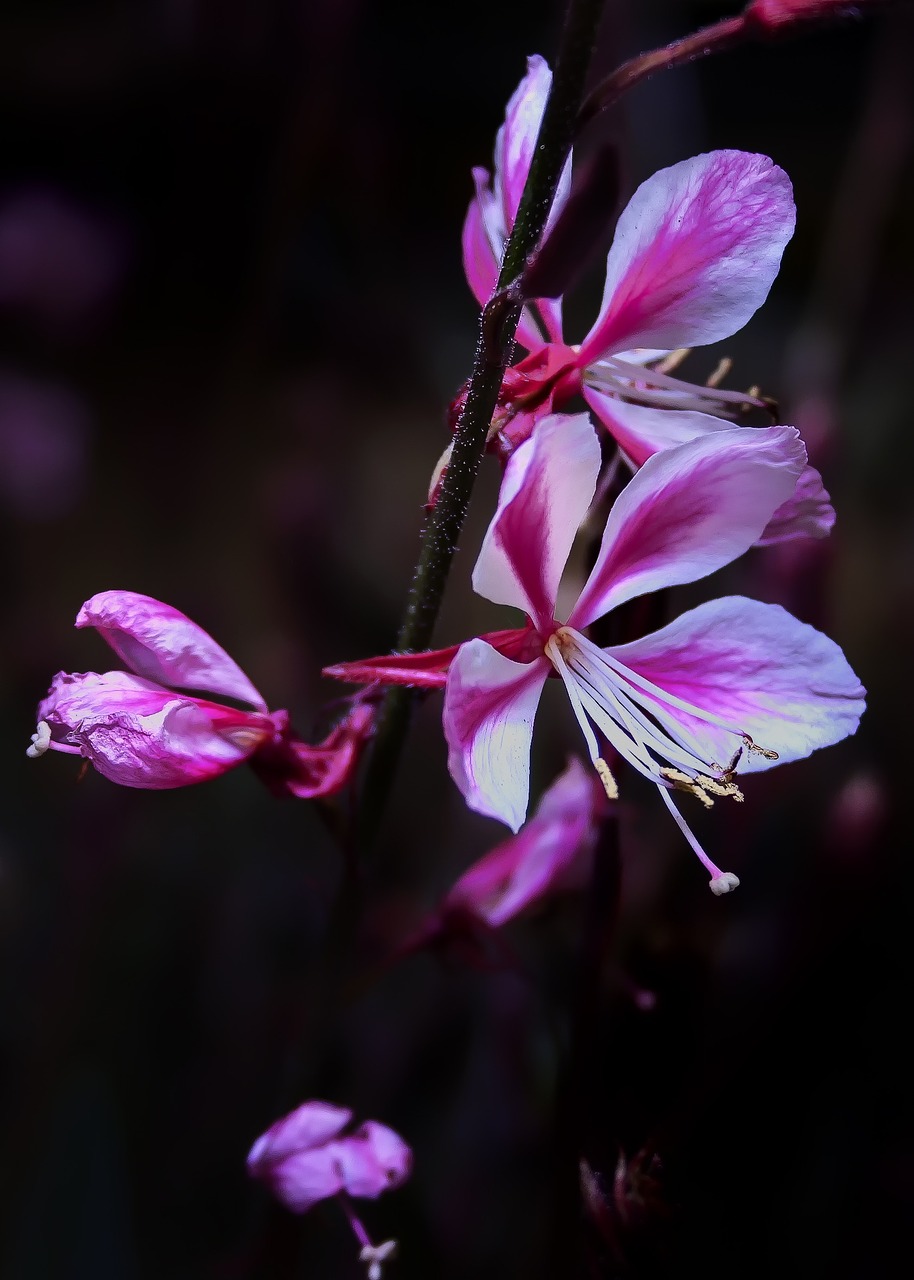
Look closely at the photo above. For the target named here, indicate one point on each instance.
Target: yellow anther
(760, 751)
(682, 782)
(609, 782)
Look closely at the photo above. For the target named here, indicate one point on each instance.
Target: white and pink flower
(694, 256)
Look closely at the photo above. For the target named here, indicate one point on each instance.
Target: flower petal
(689, 511)
(642, 430)
(310, 1125)
(160, 643)
(140, 735)
(305, 1177)
(547, 488)
(807, 513)
(695, 253)
(756, 666)
(489, 707)
(290, 766)
(541, 857)
(372, 1160)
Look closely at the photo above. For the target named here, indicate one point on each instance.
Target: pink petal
(643, 430)
(541, 857)
(695, 253)
(310, 1125)
(689, 511)
(755, 665)
(516, 140)
(483, 243)
(807, 513)
(302, 1179)
(489, 707)
(160, 643)
(373, 1160)
(547, 487)
(428, 669)
(140, 735)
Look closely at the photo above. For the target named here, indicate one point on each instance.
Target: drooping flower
(694, 256)
(144, 727)
(306, 1157)
(733, 684)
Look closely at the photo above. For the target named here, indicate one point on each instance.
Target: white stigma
(726, 882)
(376, 1255)
(41, 740)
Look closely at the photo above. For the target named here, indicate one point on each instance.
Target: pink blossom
(550, 853)
(306, 1157)
(731, 684)
(695, 253)
(138, 727)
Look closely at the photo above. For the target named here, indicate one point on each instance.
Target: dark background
(232, 314)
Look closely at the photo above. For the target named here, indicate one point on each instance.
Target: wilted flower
(138, 728)
(695, 253)
(306, 1157)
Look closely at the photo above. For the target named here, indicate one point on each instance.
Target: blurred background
(232, 316)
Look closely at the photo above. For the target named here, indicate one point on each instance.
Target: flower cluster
(733, 686)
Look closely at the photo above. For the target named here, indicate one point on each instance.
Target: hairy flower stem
(493, 352)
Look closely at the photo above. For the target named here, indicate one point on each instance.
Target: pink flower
(550, 853)
(137, 729)
(733, 683)
(695, 253)
(305, 1157)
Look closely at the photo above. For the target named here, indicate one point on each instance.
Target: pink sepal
(428, 669)
(290, 766)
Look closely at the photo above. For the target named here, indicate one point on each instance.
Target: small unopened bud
(726, 882)
(772, 16)
(41, 740)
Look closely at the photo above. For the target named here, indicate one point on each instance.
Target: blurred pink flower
(305, 1157)
(137, 729)
(695, 253)
(60, 263)
(549, 854)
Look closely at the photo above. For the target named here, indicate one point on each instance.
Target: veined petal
(695, 253)
(541, 857)
(140, 735)
(807, 513)
(642, 430)
(755, 666)
(689, 511)
(489, 706)
(547, 488)
(161, 643)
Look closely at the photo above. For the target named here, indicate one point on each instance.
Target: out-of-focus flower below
(306, 1157)
(139, 729)
(549, 854)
